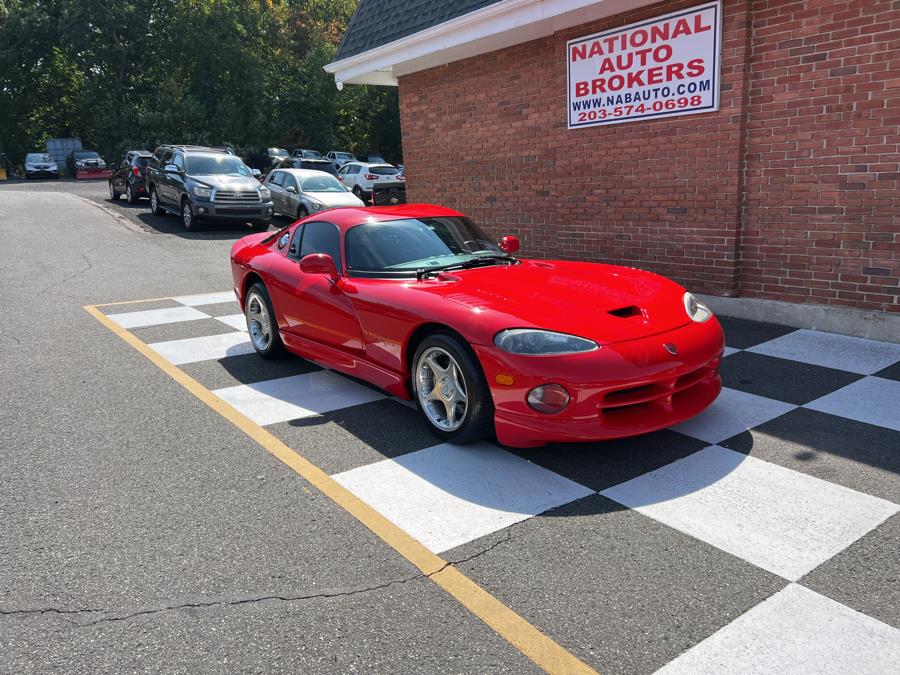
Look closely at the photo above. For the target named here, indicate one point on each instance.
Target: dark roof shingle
(378, 22)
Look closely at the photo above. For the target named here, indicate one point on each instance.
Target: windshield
(415, 243)
(343, 155)
(216, 165)
(311, 154)
(86, 154)
(278, 152)
(323, 183)
(38, 157)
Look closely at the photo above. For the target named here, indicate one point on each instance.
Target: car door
(312, 305)
(163, 183)
(175, 181)
(273, 182)
(291, 195)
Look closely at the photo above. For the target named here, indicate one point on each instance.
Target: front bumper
(620, 390)
(255, 211)
(92, 173)
(41, 173)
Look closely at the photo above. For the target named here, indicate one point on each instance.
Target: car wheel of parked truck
(155, 207)
(187, 215)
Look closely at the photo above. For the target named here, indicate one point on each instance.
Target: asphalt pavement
(141, 528)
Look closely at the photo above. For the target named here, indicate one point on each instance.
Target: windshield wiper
(480, 261)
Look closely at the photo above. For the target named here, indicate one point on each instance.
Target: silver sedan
(298, 193)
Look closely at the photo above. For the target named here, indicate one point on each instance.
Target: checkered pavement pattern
(761, 536)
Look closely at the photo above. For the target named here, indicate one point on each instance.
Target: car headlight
(696, 309)
(533, 341)
(202, 192)
(316, 206)
(265, 193)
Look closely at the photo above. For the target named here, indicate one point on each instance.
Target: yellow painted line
(542, 650)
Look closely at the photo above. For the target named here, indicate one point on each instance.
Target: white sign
(663, 67)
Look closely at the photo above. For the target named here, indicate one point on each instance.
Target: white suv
(360, 177)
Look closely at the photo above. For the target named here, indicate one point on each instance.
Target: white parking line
(295, 397)
(157, 317)
(730, 414)
(781, 520)
(447, 495)
(205, 348)
(795, 631)
(236, 321)
(206, 298)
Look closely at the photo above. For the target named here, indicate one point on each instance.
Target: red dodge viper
(416, 300)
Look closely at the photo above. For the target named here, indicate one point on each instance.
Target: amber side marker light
(504, 379)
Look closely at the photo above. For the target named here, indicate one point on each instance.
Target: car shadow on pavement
(172, 225)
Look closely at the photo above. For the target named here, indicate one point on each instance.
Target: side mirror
(291, 189)
(171, 168)
(510, 244)
(319, 263)
(256, 173)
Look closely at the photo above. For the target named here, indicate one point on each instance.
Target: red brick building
(788, 192)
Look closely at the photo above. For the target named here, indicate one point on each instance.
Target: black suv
(128, 176)
(202, 183)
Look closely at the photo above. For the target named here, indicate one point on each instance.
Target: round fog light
(548, 398)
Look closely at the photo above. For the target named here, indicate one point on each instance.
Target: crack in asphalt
(65, 613)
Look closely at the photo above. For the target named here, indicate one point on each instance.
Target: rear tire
(457, 405)
(113, 195)
(129, 194)
(155, 207)
(262, 324)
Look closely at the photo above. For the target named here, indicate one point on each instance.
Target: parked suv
(128, 178)
(339, 158)
(206, 184)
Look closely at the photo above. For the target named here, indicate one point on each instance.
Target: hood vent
(626, 312)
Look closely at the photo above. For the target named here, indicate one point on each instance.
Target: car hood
(605, 303)
(333, 199)
(228, 182)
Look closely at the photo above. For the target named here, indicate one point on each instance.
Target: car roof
(346, 217)
(305, 172)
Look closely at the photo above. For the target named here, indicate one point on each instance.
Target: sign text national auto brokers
(667, 66)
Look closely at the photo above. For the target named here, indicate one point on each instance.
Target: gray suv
(205, 184)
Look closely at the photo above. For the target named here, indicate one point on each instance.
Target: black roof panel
(378, 22)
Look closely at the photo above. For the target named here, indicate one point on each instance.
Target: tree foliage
(137, 73)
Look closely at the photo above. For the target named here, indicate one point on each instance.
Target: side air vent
(625, 312)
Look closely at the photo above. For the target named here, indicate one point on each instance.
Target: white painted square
(236, 321)
(853, 354)
(289, 398)
(730, 350)
(795, 631)
(206, 298)
(204, 348)
(447, 495)
(730, 414)
(156, 317)
(781, 520)
(873, 400)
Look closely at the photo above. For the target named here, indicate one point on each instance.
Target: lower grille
(249, 213)
(663, 391)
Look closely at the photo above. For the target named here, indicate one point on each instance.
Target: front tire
(187, 216)
(302, 212)
(155, 207)
(450, 390)
(262, 324)
(359, 193)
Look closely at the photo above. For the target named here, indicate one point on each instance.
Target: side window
(290, 181)
(179, 161)
(321, 238)
(354, 169)
(166, 158)
(342, 171)
(276, 177)
(294, 251)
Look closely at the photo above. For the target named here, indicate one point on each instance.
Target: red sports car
(416, 300)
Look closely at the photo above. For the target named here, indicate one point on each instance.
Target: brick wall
(687, 197)
(822, 211)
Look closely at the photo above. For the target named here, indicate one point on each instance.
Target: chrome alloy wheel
(259, 323)
(441, 388)
(154, 202)
(187, 215)
(112, 191)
